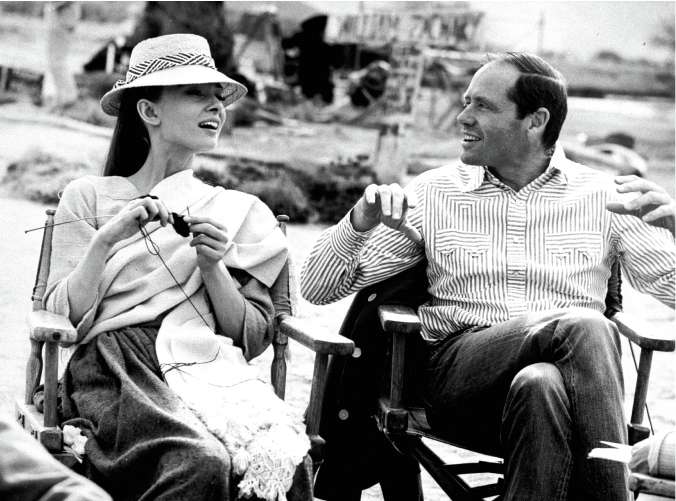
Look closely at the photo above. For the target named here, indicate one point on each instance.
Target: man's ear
(147, 111)
(539, 120)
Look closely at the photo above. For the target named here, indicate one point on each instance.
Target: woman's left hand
(210, 240)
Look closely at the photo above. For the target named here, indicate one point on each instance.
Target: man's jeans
(541, 391)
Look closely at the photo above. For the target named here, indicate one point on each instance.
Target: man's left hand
(653, 205)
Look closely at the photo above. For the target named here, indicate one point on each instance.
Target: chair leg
(456, 488)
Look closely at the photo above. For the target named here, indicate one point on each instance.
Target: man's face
(492, 135)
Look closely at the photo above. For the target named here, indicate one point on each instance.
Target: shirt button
(343, 414)
(356, 353)
(371, 297)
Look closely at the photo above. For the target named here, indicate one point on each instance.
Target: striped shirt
(494, 253)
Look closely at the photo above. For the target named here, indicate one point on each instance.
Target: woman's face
(191, 116)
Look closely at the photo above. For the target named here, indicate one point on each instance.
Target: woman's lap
(140, 434)
(143, 441)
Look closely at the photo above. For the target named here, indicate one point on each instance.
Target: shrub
(214, 174)
(42, 176)
(334, 189)
(274, 187)
(282, 195)
(324, 195)
(87, 110)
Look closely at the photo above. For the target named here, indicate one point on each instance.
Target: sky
(581, 28)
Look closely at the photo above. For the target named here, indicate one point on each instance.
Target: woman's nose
(216, 104)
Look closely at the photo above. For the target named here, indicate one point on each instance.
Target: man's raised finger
(370, 193)
(385, 200)
(398, 201)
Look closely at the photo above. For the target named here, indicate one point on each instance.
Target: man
(519, 243)
(28, 472)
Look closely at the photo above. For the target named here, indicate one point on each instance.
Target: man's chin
(469, 159)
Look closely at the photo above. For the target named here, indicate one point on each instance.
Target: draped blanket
(203, 368)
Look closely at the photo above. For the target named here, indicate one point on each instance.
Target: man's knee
(591, 327)
(586, 318)
(538, 379)
(537, 394)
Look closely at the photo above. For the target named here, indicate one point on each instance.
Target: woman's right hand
(126, 222)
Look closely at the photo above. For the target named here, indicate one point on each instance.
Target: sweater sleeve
(69, 245)
(258, 315)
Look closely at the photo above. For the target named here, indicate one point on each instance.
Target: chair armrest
(399, 319)
(641, 334)
(320, 342)
(639, 482)
(402, 322)
(47, 326)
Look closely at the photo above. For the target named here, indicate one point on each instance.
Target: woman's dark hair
(130, 143)
(540, 85)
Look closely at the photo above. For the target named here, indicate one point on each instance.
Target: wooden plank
(33, 370)
(278, 366)
(47, 326)
(639, 332)
(396, 318)
(320, 342)
(32, 421)
(638, 482)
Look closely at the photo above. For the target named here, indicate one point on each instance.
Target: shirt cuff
(346, 241)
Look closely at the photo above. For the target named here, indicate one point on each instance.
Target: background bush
(324, 195)
(42, 176)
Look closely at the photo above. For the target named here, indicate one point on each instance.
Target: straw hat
(171, 60)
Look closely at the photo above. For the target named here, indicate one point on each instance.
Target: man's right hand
(387, 204)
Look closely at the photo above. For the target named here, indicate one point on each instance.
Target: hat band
(162, 63)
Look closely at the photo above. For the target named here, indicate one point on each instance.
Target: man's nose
(465, 117)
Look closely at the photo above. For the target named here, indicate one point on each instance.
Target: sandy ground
(19, 254)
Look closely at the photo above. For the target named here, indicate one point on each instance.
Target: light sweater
(135, 286)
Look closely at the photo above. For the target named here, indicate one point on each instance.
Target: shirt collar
(472, 176)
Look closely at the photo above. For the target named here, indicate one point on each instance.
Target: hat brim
(178, 75)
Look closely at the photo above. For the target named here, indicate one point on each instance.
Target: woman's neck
(160, 164)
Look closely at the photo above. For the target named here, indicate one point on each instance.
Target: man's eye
(220, 97)
(194, 92)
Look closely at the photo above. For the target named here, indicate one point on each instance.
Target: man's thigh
(469, 375)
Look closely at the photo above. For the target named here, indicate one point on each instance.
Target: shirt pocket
(462, 253)
(578, 250)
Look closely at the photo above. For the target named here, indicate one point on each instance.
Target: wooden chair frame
(405, 426)
(48, 331)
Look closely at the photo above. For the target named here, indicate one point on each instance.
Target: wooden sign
(457, 29)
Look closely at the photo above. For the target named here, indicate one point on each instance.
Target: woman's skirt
(143, 441)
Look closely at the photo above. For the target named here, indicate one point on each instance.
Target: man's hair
(540, 85)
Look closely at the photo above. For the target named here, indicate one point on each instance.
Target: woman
(166, 321)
